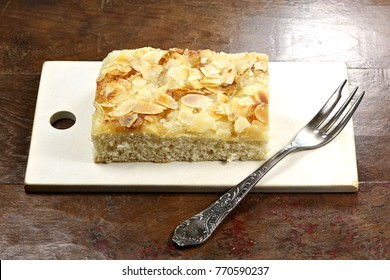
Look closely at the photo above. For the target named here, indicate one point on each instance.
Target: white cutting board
(61, 160)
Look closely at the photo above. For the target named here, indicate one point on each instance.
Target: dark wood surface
(138, 225)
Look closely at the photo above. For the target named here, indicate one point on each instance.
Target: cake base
(144, 147)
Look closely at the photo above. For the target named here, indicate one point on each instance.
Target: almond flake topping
(261, 113)
(166, 100)
(148, 108)
(196, 100)
(128, 121)
(124, 108)
(241, 124)
(181, 91)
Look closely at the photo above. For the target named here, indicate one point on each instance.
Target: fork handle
(249, 182)
(233, 197)
(198, 229)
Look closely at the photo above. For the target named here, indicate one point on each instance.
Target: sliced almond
(210, 71)
(261, 62)
(263, 96)
(213, 113)
(206, 53)
(107, 104)
(124, 57)
(259, 66)
(215, 89)
(251, 90)
(196, 100)
(124, 68)
(261, 112)
(98, 107)
(212, 81)
(194, 74)
(148, 108)
(253, 131)
(118, 99)
(241, 124)
(107, 70)
(125, 83)
(203, 60)
(196, 84)
(171, 63)
(141, 51)
(138, 64)
(179, 73)
(228, 76)
(222, 97)
(166, 100)
(128, 121)
(139, 81)
(144, 94)
(124, 108)
(154, 56)
(113, 89)
(185, 116)
(224, 109)
(246, 101)
(221, 63)
(151, 72)
(245, 64)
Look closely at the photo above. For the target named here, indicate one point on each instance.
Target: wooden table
(139, 225)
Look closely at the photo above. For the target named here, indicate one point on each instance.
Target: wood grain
(372, 124)
(353, 32)
(139, 226)
(17, 96)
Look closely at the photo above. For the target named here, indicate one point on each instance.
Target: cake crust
(181, 105)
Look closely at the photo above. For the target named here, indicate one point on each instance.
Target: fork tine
(328, 107)
(336, 116)
(339, 127)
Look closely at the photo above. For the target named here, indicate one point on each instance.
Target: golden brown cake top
(183, 92)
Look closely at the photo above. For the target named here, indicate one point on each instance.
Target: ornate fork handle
(200, 227)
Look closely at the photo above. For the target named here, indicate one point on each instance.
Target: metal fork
(322, 129)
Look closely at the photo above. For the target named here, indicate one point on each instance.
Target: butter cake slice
(181, 105)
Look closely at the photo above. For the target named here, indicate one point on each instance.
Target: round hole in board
(62, 120)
